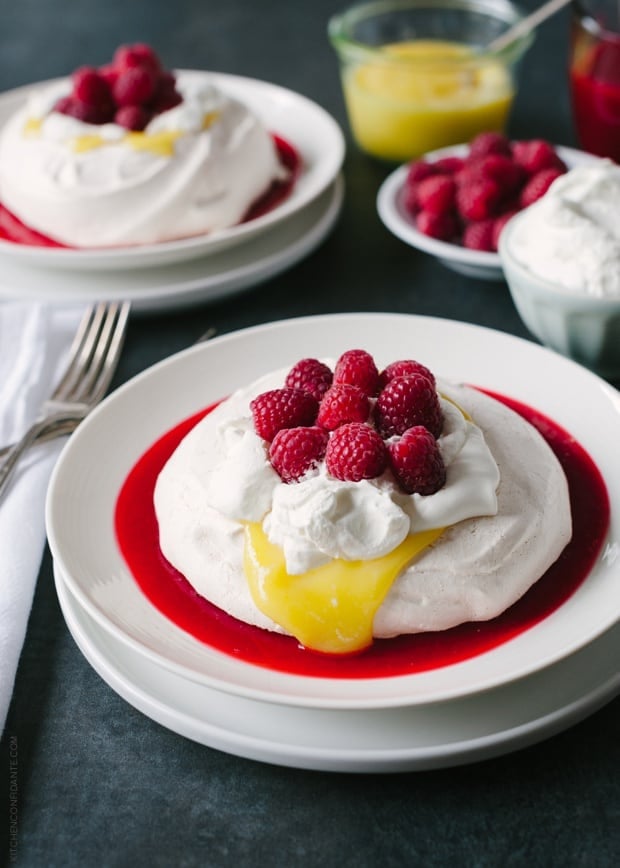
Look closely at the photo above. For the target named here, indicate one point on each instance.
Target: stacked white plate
(521, 691)
(195, 270)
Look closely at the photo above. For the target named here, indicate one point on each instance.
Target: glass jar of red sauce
(595, 75)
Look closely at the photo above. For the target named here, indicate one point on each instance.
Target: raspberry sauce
(14, 230)
(171, 594)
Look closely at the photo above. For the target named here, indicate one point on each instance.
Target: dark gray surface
(102, 785)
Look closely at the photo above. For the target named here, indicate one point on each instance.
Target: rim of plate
(307, 126)
(82, 495)
(394, 217)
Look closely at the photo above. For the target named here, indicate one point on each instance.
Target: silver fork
(93, 358)
(68, 426)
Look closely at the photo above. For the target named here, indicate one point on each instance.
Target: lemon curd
(424, 96)
(330, 608)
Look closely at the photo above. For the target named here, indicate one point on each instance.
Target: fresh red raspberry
(489, 143)
(135, 86)
(418, 171)
(479, 199)
(449, 165)
(443, 227)
(109, 73)
(132, 117)
(166, 95)
(537, 186)
(410, 199)
(436, 194)
(355, 452)
(137, 55)
(416, 461)
(479, 235)
(508, 174)
(295, 451)
(404, 368)
(535, 155)
(282, 408)
(310, 375)
(405, 402)
(499, 224)
(90, 87)
(82, 112)
(342, 403)
(357, 368)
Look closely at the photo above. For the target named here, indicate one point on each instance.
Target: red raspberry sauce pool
(168, 591)
(12, 229)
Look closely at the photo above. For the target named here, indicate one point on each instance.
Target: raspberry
(499, 224)
(404, 368)
(535, 155)
(357, 368)
(489, 143)
(537, 186)
(310, 375)
(410, 199)
(166, 94)
(416, 461)
(132, 117)
(342, 403)
(135, 86)
(449, 165)
(508, 174)
(444, 227)
(91, 88)
(436, 194)
(478, 199)
(479, 235)
(136, 55)
(295, 451)
(418, 171)
(355, 452)
(83, 112)
(408, 401)
(282, 408)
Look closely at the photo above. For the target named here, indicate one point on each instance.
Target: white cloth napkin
(34, 341)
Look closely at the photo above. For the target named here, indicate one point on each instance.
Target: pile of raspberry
(129, 91)
(468, 200)
(361, 422)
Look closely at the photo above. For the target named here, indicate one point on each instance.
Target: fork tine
(82, 339)
(100, 356)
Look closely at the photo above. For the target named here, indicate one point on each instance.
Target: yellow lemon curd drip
(330, 608)
(399, 111)
(161, 143)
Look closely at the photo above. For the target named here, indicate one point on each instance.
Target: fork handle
(15, 452)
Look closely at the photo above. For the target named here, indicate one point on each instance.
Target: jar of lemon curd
(416, 74)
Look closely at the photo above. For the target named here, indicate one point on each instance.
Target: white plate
(413, 738)
(97, 459)
(309, 128)
(473, 263)
(184, 283)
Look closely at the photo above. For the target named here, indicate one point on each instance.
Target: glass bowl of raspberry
(454, 203)
(561, 259)
(417, 76)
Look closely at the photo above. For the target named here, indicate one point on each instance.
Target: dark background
(102, 785)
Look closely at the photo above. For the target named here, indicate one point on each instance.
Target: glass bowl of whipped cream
(561, 260)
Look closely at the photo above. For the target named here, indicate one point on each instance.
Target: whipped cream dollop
(571, 236)
(505, 506)
(196, 168)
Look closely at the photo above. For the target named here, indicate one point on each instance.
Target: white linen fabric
(34, 342)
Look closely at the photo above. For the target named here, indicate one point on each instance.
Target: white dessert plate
(95, 462)
(412, 738)
(196, 281)
(305, 125)
(473, 263)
